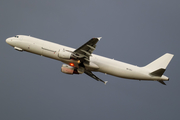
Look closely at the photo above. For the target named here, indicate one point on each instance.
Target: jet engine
(64, 54)
(71, 70)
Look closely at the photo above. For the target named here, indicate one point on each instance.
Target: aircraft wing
(89, 73)
(84, 52)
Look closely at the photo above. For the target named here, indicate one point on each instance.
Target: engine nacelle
(64, 54)
(71, 70)
(67, 69)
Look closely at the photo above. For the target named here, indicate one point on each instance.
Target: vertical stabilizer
(160, 63)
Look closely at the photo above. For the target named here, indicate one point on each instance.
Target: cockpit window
(16, 36)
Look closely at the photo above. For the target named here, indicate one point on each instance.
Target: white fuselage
(97, 63)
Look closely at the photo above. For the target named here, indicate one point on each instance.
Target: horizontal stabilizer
(158, 72)
(162, 82)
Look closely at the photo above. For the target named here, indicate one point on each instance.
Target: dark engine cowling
(71, 70)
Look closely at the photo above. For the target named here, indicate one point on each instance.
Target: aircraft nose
(8, 41)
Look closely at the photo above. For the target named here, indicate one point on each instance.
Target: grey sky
(133, 31)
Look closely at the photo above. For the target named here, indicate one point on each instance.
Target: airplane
(81, 60)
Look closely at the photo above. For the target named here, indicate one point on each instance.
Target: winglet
(105, 82)
(99, 38)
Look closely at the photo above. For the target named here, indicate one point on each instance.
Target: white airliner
(81, 60)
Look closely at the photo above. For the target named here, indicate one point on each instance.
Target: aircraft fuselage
(97, 63)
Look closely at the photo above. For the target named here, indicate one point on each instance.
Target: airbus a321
(81, 60)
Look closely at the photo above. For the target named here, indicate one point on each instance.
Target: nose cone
(8, 41)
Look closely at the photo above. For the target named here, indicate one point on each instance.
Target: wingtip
(99, 38)
(105, 82)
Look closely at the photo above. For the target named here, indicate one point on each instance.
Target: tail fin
(159, 65)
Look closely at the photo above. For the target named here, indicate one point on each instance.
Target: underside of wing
(89, 73)
(84, 52)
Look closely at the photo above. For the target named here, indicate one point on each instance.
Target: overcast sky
(133, 31)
